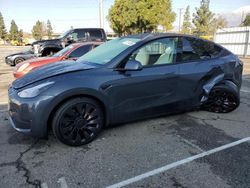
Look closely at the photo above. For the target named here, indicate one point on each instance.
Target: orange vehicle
(71, 52)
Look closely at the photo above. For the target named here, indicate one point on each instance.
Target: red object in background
(70, 52)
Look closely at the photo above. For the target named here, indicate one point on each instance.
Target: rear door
(196, 67)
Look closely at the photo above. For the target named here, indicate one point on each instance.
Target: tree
(203, 19)
(38, 30)
(3, 32)
(49, 30)
(218, 23)
(20, 36)
(246, 21)
(186, 26)
(14, 33)
(138, 16)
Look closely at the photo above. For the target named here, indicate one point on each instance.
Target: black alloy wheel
(18, 60)
(222, 100)
(78, 121)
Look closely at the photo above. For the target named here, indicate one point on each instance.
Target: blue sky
(84, 13)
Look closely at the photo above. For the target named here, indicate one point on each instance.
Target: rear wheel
(78, 121)
(222, 99)
(18, 60)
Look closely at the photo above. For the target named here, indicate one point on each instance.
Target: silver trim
(18, 129)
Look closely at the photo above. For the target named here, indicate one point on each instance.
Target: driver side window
(158, 52)
(80, 35)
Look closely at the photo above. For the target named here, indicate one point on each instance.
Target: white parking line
(245, 91)
(44, 185)
(178, 163)
(63, 182)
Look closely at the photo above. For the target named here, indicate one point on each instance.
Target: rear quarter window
(95, 34)
(197, 49)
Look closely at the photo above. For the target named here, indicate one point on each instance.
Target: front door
(150, 91)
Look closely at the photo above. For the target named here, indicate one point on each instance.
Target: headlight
(22, 67)
(34, 91)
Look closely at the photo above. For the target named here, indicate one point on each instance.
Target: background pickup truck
(49, 47)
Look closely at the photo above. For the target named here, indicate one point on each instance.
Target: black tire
(18, 60)
(222, 99)
(78, 121)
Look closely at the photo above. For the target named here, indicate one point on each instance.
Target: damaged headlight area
(35, 90)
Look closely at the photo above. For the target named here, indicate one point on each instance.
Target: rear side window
(79, 35)
(80, 51)
(95, 34)
(196, 49)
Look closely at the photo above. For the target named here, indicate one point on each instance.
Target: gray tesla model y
(125, 79)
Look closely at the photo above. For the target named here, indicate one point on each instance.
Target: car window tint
(63, 51)
(95, 34)
(79, 35)
(161, 51)
(80, 51)
(196, 49)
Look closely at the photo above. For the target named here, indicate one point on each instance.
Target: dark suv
(49, 47)
(125, 79)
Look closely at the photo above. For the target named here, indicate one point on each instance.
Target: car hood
(51, 70)
(46, 41)
(21, 53)
(38, 61)
(43, 59)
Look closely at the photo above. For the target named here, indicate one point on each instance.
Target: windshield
(63, 51)
(107, 51)
(64, 34)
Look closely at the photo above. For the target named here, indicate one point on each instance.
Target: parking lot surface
(126, 151)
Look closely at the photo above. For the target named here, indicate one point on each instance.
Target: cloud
(235, 17)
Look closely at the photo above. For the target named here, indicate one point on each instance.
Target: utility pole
(180, 13)
(101, 20)
(242, 17)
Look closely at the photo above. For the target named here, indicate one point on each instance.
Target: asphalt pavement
(194, 149)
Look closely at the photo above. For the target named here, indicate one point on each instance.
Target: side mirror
(132, 65)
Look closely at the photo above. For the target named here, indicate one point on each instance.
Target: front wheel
(78, 121)
(18, 60)
(222, 99)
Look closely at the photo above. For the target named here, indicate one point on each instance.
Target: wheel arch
(18, 57)
(216, 81)
(62, 99)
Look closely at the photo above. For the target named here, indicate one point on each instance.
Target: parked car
(16, 58)
(49, 47)
(72, 52)
(123, 80)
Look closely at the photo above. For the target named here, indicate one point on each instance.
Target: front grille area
(19, 113)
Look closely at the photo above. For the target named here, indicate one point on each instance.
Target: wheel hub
(218, 102)
(80, 123)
